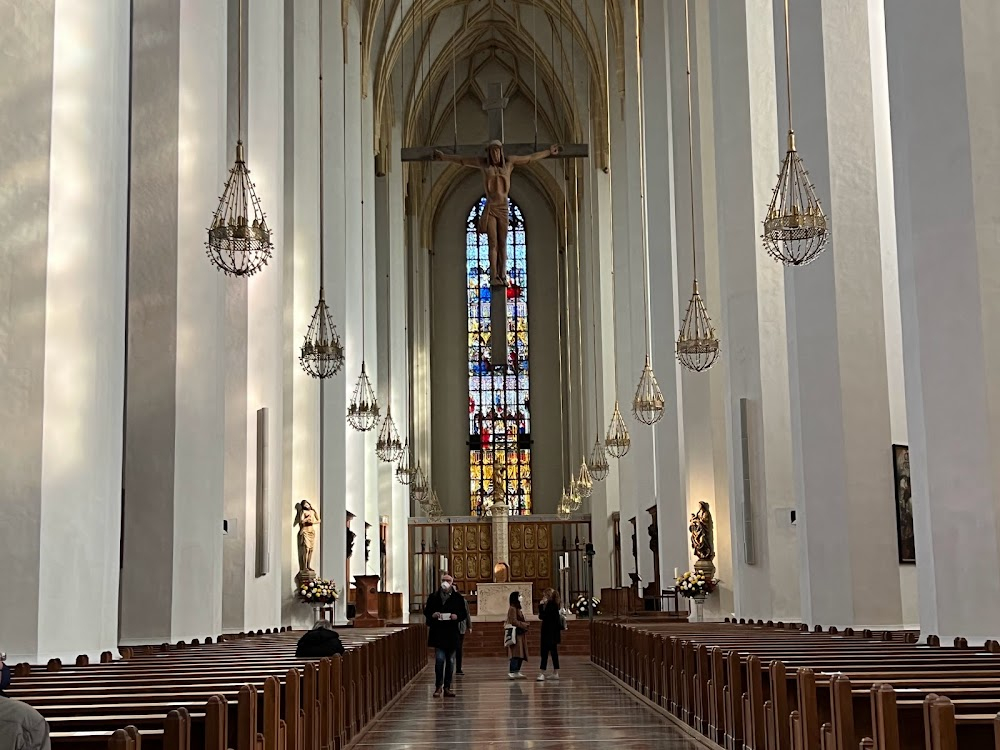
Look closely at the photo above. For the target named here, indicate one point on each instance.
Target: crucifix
(496, 162)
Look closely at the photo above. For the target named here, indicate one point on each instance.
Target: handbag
(509, 636)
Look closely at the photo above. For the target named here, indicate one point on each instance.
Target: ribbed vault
(423, 58)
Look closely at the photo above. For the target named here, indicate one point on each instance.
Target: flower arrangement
(317, 591)
(580, 606)
(694, 584)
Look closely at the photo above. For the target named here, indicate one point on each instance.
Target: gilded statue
(307, 519)
(702, 531)
(496, 169)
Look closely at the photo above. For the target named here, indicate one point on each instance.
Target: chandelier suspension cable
(568, 432)
(616, 440)
(322, 382)
(454, 94)
(534, 66)
(322, 203)
(788, 74)
(690, 113)
(642, 182)
(239, 72)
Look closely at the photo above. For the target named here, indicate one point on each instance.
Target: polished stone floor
(584, 709)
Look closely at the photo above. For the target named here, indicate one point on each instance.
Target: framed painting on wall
(904, 505)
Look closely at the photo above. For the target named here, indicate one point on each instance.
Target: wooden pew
(771, 687)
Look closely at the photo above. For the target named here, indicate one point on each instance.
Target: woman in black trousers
(549, 612)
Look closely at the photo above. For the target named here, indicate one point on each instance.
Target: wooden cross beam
(494, 107)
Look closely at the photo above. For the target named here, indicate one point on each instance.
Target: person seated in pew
(4, 674)
(319, 642)
(22, 727)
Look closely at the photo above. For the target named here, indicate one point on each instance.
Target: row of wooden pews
(768, 686)
(247, 693)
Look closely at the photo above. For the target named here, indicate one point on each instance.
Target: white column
(172, 573)
(338, 389)
(670, 490)
(840, 399)
(65, 212)
(300, 267)
(753, 314)
(265, 151)
(943, 63)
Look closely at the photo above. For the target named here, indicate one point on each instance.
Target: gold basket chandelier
(239, 241)
(388, 448)
(363, 411)
(617, 441)
(404, 470)
(597, 464)
(584, 482)
(418, 485)
(697, 343)
(322, 354)
(796, 230)
(648, 403)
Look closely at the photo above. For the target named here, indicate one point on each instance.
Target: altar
(494, 599)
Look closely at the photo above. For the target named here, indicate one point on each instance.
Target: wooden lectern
(366, 602)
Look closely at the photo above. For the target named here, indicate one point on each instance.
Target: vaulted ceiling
(427, 59)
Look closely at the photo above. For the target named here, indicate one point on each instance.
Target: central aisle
(584, 709)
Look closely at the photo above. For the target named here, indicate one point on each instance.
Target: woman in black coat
(322, 641)
(549, 612)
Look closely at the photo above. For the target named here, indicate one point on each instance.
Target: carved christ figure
(496, 169)
(307, 519)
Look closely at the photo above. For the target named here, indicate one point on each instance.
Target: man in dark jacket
(321, 641)
(445, 609)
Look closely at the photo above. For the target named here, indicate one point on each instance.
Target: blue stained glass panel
(499, 414)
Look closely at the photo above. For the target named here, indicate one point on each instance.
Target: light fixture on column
(363, 411)
(388, 448)
(617, 441)
(598, 464)
(239, 241)
(697, 343)
(795, 230)
(584, 482)
(648, 403)
(404, 469)
(322, 354)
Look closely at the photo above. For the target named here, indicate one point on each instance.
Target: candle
(675, 574)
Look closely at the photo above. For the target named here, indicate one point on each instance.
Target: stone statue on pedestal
(702, 530)
(307, 519)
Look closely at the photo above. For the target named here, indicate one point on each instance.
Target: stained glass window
(499, 409)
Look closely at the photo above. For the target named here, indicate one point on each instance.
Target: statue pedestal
(494, 598)
(366, 602)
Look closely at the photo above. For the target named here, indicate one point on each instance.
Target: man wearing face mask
(445, 609)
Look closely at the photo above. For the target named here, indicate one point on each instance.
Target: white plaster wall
(27, 41)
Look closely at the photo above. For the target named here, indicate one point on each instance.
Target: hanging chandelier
(697, 343)
(388, 448)
(404, 472)
(796, 230)
(573, 495)
(322, 354)
(562, 510)
(418, 485)
(239, 241)
(584, 482)
(597, 464)
(648, 403)
(617, 441)
(363, 411)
